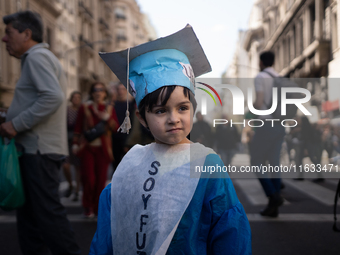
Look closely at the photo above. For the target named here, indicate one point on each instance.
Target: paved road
(304, 225)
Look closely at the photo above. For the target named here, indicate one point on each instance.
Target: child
(157, 202)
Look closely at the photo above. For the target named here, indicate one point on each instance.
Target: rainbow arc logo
(209, 93)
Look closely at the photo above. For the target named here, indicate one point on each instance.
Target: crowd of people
(264, 145)
(153, 205)
(151, 187)
(304, 140)
(311, 140)
(91, 158)
(225, 139)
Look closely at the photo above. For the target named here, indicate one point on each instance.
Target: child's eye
(159, 111)
(184, 108)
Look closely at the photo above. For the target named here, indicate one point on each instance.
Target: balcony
(103, 24)
(120, 16)
(86, 47)
(107, 6)
(84, 11)
(317, 54)
(120, 38)
(53, 6)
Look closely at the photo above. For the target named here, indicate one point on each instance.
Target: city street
(304, 225)
(266, 73)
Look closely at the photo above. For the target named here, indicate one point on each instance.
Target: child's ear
(141, 120)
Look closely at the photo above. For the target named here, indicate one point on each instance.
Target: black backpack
(291, 109)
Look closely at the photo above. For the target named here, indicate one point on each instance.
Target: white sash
(150, 192)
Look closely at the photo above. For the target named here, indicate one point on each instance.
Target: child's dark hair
(164, 93)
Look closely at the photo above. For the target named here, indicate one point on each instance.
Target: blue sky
(215, 22)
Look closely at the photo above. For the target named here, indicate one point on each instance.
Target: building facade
(66, 42)
(304, 35)
(106, 26)
(76, 31)
(49, 10)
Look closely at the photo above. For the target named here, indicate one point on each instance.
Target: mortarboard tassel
(126, 125)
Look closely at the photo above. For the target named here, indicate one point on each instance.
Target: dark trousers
(118, 144)
(266, 146)
(94, 165)
(42, 222)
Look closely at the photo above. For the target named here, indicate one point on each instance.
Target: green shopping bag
(11, 189)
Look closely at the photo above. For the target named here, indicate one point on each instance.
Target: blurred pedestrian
(226, 140)
(247, 131)
(289, 144)
(96, 155)
(267, 141)
(201, 131)
(310, 145)
(37, 120)
(72, 112)
(328, 140)
(336, 139)
(118, 138)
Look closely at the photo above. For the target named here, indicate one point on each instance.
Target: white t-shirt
(264, 83)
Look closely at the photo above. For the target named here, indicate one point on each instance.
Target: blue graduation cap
(173, 60)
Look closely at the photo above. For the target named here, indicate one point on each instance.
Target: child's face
(170, 124)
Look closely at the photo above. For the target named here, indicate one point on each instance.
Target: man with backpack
(267, 141)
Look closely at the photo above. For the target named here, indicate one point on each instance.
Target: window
(121, 35)
(19, 7)
(289, 50)
(301, 36)
(277, 54)
(335, 31)
(49, 36)
(289, 4)
(326, 25)
(90, 33)
(312, 22)
(285, 56)
(294, 43)
(120, 13)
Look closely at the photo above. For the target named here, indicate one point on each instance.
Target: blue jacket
(213, 223)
